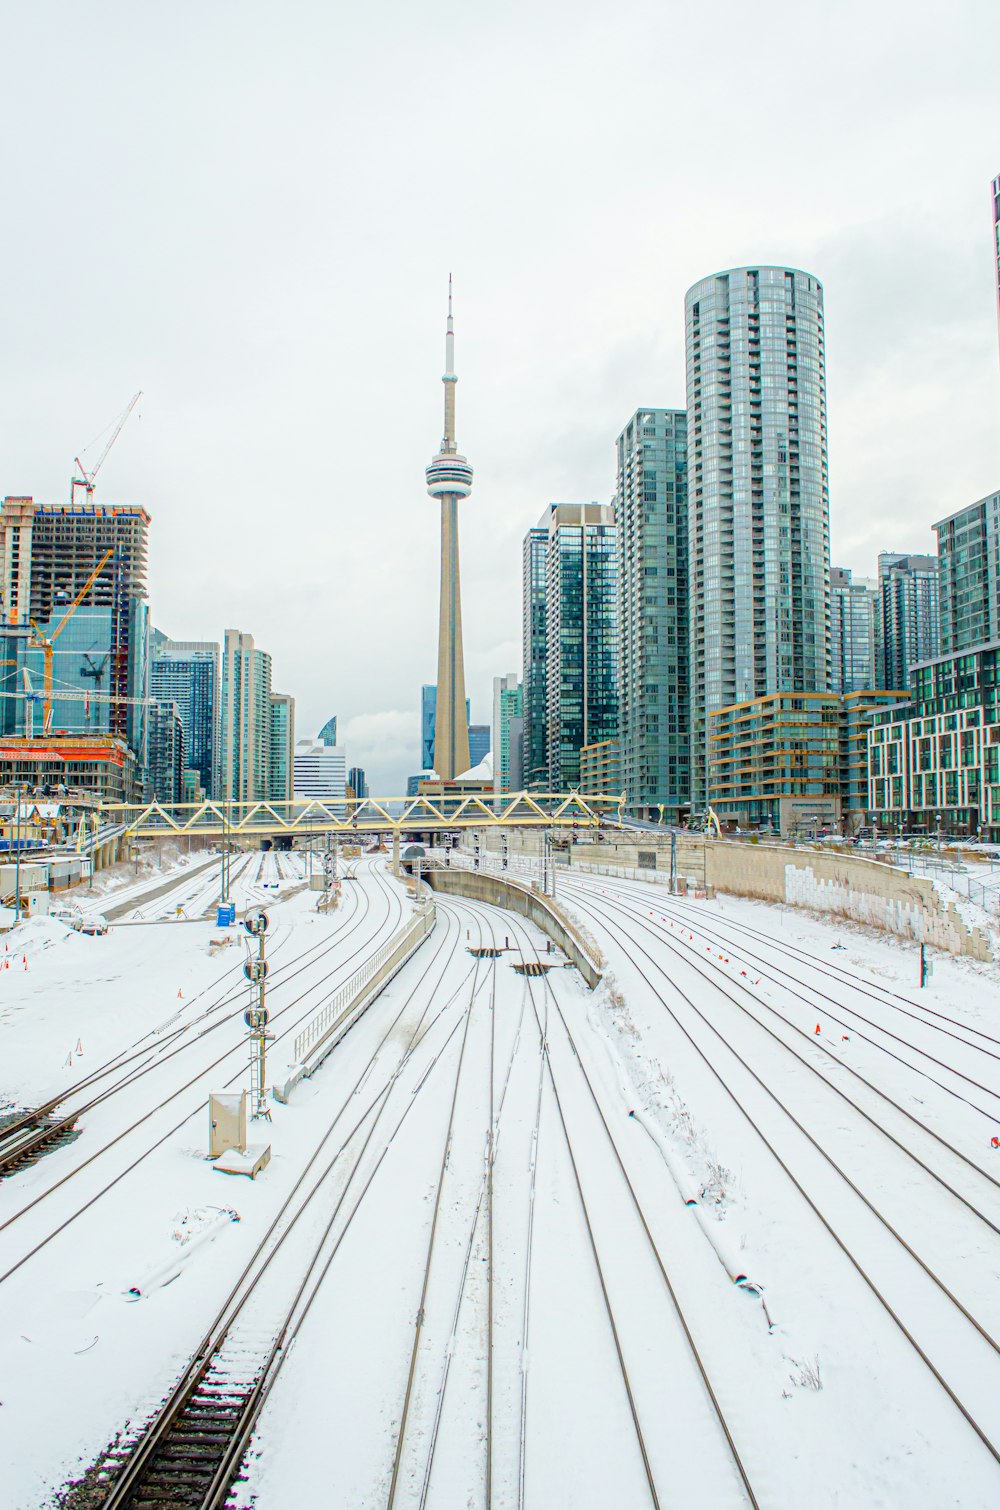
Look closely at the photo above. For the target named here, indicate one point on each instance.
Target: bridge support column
(395, 852)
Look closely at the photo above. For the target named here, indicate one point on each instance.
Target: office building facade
(428, 723)
(969, 575)
(651, 506)
(357, 782)
(854, 662)
(479, 745)
(320, 770)
(908, 614)
(186, 672)
(758, 491)
(581, 636)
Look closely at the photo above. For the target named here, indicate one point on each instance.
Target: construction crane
(30, 697)
(40, 642)
(86, 479)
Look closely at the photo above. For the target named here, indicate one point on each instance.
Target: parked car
(71, 916)
(94, 927)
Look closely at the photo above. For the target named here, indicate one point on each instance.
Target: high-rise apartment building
(759, 509)
(73, 578)
(908, 614)
(995, 200)
(281, 773)
(167, 761)
(186, 672)
(508, 734)
(534, 694)
(854, 663)
(969, 575)
(570, 585)
(245, 744)
(651, 505)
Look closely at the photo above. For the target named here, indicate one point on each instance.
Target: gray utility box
(227, 1114)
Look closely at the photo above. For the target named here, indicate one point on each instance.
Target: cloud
(383, 744)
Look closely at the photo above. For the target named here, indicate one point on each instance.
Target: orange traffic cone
(817, 1027)
(180, 995)
(79, 1045)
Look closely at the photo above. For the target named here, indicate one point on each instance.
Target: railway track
(26, 1136)
(548, 1013)
(804, 1043)
(942, 1311)
(322, 985)
(846, 1015)
(191, 1452)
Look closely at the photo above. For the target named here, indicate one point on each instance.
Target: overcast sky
(250, 210)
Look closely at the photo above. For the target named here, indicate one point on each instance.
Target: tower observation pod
(449, 477)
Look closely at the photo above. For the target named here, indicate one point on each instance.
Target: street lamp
(937, 820)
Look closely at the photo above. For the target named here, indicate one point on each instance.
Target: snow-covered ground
(653, 1235)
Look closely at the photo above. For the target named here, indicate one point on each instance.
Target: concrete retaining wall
(481, 886)
(868, 891)
(347, 1005)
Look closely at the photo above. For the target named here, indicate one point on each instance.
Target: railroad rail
(191, 1452)
(636, 953)
(304, 961)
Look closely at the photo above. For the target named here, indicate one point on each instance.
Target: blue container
(225, 915)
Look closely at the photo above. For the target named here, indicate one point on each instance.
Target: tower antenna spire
(449, 478)
(450, 379)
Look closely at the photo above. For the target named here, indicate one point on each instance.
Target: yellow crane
(40, 642)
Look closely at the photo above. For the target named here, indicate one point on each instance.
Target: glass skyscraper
(428, 724)
(908, 614)
(853, 639)
(186, 673)
(651, 505)
(571, 566)
(969, 575)
(535, 760)
(758, 491)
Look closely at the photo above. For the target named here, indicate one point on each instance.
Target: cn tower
(449, 477)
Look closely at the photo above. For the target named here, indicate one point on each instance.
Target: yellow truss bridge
(383, 815)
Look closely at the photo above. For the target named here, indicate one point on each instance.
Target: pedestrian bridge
(373, 815)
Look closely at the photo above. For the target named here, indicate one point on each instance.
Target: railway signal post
(256, 1016)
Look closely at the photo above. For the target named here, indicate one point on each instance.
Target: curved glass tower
(758, 493)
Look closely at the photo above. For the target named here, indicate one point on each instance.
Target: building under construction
(74, 622)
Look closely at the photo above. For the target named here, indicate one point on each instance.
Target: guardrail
(342, 1007)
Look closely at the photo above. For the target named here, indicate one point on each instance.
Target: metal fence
(340, 1006)
(984, 893)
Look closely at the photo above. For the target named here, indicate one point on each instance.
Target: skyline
(261, 274)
